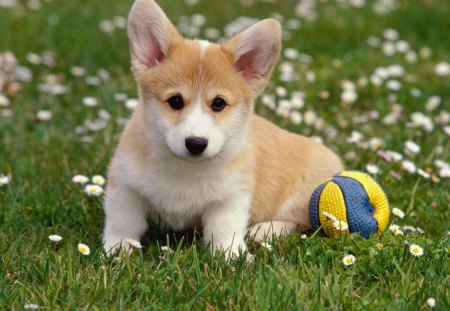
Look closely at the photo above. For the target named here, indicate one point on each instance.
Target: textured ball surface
(349, 202)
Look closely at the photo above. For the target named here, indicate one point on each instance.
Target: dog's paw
(117, 247)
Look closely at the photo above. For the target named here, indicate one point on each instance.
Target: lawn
(369, 78)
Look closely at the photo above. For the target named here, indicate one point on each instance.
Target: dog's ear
(255, 52)
(150, 33)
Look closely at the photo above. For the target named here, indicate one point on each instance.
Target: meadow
(369, 78)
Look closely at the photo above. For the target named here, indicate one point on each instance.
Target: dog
(194, 154)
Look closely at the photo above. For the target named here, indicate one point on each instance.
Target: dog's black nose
(196, 145)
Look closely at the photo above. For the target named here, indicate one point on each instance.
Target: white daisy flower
(411, 57)
(90, 101)
(98, 180)
(78, 71)
(303, 236)
(295, 117)
(390, 34)
(398, 232)
(93, 190)
(375, 143)
(388, 48)
(166, 249)
(266, 245)
(442, 69)
(310, 117)
(349, 260)
(411, 147)
(134, 243)
(409, 166)
(44, 115)
(398, 212)
(447, 130)
(84, 249)
(280, 91)
(355, 138)
(397, 157)
(425, 52)
(131, 103)
(55, 238)
(80, 179)
(4, 101)
(422, 173)
(416, 250)
(31, 306)
(340, 225)
(372, 169)
(393, 85)
(291, 53)
(431, 302)
(4, 180)
(349, 96)
(329, 216)
(394, 227)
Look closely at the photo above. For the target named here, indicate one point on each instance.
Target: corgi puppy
(194, 154)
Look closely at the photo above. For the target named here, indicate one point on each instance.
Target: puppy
(194, 154)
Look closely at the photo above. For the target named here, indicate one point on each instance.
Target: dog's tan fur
(274, 171)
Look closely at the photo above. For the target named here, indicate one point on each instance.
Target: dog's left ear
(255, 52)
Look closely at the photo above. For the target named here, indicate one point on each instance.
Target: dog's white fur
(251, 172)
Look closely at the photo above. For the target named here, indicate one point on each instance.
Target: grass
(41, 158)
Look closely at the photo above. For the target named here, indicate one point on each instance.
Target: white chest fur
(180, 191)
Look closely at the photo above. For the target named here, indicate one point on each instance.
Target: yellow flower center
(82, 249)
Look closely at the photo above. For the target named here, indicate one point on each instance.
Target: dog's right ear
(150, 33)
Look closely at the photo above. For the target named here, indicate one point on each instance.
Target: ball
(349, 202)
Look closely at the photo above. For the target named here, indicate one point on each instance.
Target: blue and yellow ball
(349, 202)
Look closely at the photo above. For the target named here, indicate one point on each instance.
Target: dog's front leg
(125, 218)
(225, 223)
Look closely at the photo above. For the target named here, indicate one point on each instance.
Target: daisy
(134, 243)
(80, 179)
(131, 103)
(98, 180)
(166, 249)
(295, 117)
(266, 245)
(411, 147)
(409, 166)
(329, 216)
(442, 69)
(44, 115)
(416, 250)
(372, 169)
(84, 249)
(422, 173)
(90, 101)
(398, 212)
(340, 225)
(349, 96)
(93, 190)
(31, 306)
(349, 260)
(431, 302)
(4, 180)
(303, 236)
(55, 238)
(4, 101)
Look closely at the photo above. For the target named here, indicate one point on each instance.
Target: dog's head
(198, 96)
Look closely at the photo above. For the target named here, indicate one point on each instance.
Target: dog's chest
(180, 195)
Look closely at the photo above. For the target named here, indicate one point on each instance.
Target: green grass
(41, 158)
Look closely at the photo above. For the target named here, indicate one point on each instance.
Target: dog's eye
(218, 104)
(176, 102)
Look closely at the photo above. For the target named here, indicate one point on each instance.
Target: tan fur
(258, 174)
